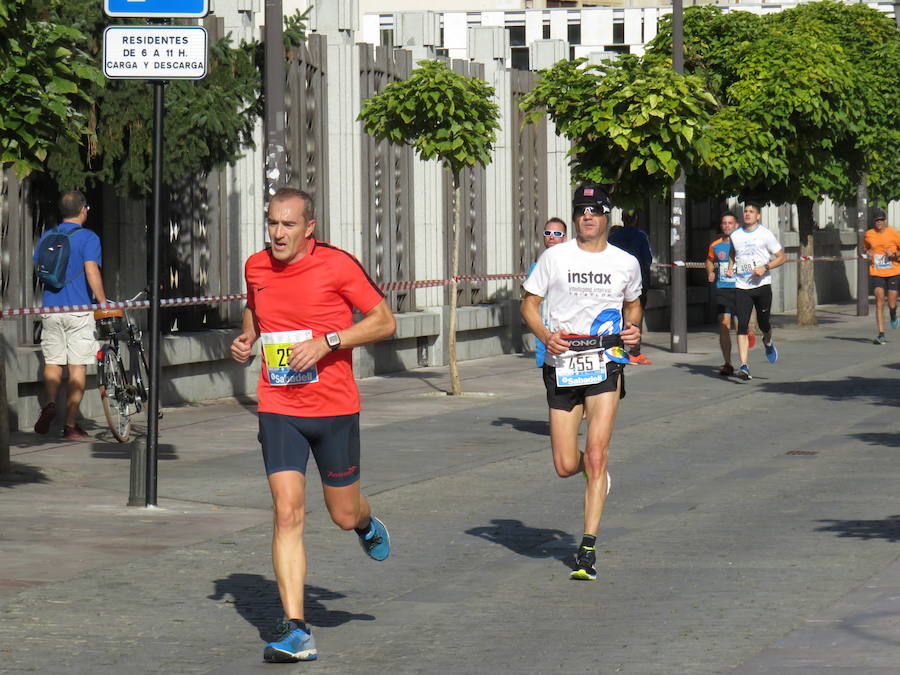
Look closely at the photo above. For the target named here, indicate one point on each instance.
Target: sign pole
(678, 288)
(155, 234)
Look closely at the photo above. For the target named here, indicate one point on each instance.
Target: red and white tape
(390, 286)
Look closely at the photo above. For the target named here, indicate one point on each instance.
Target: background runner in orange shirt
(882, 245)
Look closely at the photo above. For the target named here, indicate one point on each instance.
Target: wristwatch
(333, 340)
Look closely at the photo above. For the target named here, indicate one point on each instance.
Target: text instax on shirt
(583, 291)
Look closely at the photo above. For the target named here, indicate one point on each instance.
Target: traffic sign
(154, 52)
(158, 9)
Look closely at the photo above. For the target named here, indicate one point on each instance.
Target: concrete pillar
(338, 21)
(490, 46)
(542, 55)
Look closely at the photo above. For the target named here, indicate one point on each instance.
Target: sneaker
(585, 559)
(751, 339)
(771, 352)
(639, 359)
(895, 322)
(744, 373)
(377, 543)
(727, 370)
(880, 340)
(293, 644)
(75, 433)
(48, 412)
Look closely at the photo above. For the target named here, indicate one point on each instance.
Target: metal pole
(678, 300)
(156, 234)
(862, 264)
(273, 87)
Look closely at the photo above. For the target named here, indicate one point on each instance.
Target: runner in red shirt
(300, 299)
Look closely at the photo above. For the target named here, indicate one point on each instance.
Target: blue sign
(158, 9)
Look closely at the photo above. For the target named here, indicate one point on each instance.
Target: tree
(208, 122)
(46, 80)
(633, 122)
(804, 99)
(787, 107)
(443, 116)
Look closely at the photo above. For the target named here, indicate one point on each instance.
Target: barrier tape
(390, 286)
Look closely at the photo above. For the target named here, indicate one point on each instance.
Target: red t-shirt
(316, 293)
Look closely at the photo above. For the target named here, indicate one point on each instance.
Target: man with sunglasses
(554, 233)
(592, 294)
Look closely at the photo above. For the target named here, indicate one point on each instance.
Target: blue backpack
(53, 258)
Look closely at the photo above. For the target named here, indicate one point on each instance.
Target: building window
(387, 37)
(546, 31)
(574, 33)
(519, 58)
(618, 31)
(516, 36)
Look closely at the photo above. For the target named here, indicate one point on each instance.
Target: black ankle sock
(363, 531)
(301, 624)
(588, 541)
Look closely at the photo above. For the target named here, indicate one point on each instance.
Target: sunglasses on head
(554, 233)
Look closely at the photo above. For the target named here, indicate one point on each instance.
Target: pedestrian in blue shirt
(68, 339)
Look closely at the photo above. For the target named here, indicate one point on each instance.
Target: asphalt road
(752, 527)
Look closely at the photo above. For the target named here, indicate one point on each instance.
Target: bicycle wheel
(114, 395)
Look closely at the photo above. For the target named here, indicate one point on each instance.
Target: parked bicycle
(123, 391)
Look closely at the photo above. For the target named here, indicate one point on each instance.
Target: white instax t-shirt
(583, 292)
(752, 249)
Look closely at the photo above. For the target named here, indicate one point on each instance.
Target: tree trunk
(455, 388)
(806, 278)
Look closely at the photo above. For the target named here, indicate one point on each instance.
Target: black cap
(877, 214)
(591, 194)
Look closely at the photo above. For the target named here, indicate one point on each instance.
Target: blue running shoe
(771, 352)
(895, 322)
(293, 644)
(744, 373)
(377, 543)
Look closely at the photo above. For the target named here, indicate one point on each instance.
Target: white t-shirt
(583, 292)
(752, 249)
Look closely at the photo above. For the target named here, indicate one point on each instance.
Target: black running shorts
(334, 442)
(725, 302)
(566, 398)
(884, 283)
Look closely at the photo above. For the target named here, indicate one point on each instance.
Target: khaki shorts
(68, 339)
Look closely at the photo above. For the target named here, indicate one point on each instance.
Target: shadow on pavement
(891, 440)
(164, 451)
(888, 529)
(705, 370)
(865, 341)
(18, 474)
(531, 542)
(256, 599)
(881, 391)
(539, 427)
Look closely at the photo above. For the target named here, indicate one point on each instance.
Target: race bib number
(880, 261)
(276, 349)
(745, 269)
(723, 274)
(581, 368)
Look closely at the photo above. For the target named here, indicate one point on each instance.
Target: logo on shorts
(349, 472)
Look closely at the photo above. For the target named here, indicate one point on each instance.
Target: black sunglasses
(554, 233)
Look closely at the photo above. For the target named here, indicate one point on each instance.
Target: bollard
(137, 484)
